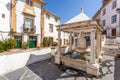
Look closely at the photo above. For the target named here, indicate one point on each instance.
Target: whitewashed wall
(37, 9)
(4, 22)
(20, 18)
(103, 40)
(109, 13)
(55, 32)
(4, 36)
(9, 63)
(51, 21)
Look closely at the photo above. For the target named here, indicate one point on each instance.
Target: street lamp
(118, 11)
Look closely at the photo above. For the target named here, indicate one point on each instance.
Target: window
(3, 15)
(50, 28)
(87, 38)
(47, 16)
(104, 32)
(28, 23)
(114, 4)
(114, 19)
(104, 12)
(75, 34)
(104, 23)
(56, 20)
(29, 2)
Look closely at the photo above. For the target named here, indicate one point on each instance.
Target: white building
(50, 22)
(4, 19)
(50, 30)
(109, 17)
(31, 22)
(23, 17)
(28, 22)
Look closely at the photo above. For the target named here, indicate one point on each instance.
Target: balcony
(29, 30)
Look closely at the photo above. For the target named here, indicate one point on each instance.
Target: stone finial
(81, 10)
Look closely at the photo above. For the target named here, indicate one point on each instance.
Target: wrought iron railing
(29, 30)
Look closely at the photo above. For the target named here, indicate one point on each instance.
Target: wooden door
(113, 32)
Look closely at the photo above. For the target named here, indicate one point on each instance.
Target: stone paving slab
(3, 78)
(45, 70)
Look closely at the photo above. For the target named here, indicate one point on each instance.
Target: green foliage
(25, 46)
(55, 43)
(7, 44)
(1, 46)
(32, 29)
(26, 29)
(46, 42)
(12, 32)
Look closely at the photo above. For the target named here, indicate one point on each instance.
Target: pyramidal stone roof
(80, 17)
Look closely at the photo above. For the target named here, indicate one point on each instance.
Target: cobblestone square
(45, 70)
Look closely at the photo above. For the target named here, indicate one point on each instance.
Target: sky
(67, 9)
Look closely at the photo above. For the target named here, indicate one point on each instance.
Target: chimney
(104, 2)
(81, 10)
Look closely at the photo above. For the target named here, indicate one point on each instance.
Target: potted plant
(26, 29)
(32, 29)
(25, 45)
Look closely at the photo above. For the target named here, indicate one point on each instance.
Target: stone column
(78, 40)
(57, 57)
(74, 39)
(93, 67)
(93, 56)
(98, 42)
(70, 41)
(73, 42)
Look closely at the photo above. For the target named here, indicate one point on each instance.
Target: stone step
(109, 41)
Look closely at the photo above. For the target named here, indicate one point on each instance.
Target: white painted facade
(4, 18)
(48, 22)
(20, 16)
(21, 12)
(20, 19)
(108, 18)
(52, 21)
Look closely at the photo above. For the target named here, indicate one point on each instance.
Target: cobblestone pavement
(45, 70)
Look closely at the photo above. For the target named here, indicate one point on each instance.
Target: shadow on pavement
(49, 71)
(117, 69)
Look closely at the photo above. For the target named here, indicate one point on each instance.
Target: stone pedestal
(53, 51)
(93, 69)
(57, 59)
(63, 49)
(82, 40)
